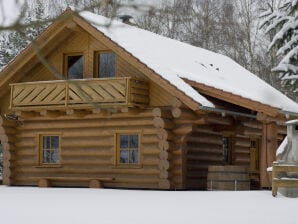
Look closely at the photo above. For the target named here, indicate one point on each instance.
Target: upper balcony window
(106, 62)
(74, 66)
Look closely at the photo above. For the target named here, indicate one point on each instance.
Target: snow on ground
(32, 205)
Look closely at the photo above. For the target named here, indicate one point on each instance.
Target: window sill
(49, 166)
(137, 166)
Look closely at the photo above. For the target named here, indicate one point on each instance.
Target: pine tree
(281, 25)
(12, 43)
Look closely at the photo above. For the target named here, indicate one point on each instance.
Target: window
(254, 155)
(127, 149)
(226, 149)
(106, 62)
(49, 149)
(74, 66)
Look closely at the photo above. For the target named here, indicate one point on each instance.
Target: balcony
(79, 94)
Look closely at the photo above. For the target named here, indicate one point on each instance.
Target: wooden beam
(26, 114)
(268, 152)
(97, 110)
(159, 112)
(267, 119)
(77, 113)
(175, 102)
(130, 110)
(232, 98)
(163, 123)
(183, 113)
(211, 119)
(50, 113)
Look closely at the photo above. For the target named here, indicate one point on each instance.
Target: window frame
(41, 150)
(65, 63)
(117, 150)
(254, 154)
(97, 63)
(228, 159)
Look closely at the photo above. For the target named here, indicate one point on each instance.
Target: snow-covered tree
(11, 43)
(281, 25)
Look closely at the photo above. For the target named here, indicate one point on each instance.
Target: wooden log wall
(241, 150)
(87, 45)
(184, 120)
(88, 150)
(204, 148)
(7, 138)
(163, 123)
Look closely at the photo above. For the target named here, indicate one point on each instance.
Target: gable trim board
(232, 98)
(26, 55)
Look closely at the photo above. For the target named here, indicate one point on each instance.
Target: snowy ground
(31, 205)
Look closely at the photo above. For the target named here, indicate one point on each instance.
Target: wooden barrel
(233, 178)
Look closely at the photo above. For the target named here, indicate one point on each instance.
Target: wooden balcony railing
(86, 93)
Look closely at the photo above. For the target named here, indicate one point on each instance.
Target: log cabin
(93, 98)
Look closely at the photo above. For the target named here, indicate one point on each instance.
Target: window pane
(123, 141)
(133, 157)
(106, 66)
(54, 142)
(134, 141)
(123, 156)
(225, 147)
(46, 156)
(46, 142)
(75, 67)
(54, 156)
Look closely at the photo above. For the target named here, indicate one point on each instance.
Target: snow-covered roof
(175, 61)
(292, 122)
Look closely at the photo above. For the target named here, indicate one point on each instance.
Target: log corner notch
(185, 121)
(268, 147)
(162, 122)
(7, 131)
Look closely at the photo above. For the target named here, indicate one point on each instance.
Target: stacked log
(204, 148)
(88, 149)
(185, 121)
(162, 122)
(7, 133)
(241, 150)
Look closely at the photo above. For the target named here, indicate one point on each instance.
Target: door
(254, 163)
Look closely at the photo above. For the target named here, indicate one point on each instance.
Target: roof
(292, 122)
(183, 69)
(178, 62)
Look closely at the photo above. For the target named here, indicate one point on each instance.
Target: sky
(9, 9)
